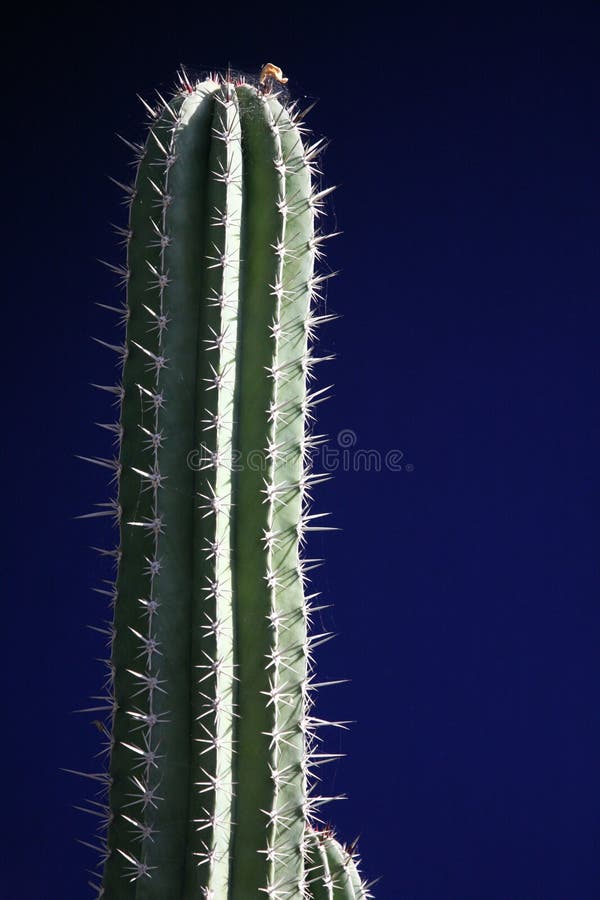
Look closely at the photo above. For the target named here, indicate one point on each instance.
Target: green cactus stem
(209, 792)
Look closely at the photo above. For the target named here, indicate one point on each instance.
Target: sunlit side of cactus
(210, 788)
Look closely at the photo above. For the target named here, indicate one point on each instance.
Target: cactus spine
(212, 745)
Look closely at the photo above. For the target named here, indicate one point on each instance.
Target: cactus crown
(212, 747)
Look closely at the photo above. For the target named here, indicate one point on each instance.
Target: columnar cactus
(209, 791)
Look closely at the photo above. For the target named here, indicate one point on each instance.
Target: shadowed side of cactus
(210, 787)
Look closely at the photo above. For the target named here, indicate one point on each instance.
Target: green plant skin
(212, 743)
(333, 870)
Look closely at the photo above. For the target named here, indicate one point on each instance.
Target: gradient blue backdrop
(465, 591)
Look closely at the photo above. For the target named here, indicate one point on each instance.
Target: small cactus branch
(334, 873)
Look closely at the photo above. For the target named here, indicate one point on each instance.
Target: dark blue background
(465, 592)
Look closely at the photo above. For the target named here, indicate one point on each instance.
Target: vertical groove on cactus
(212, 740)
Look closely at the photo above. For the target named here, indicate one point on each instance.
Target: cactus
(209, 791)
